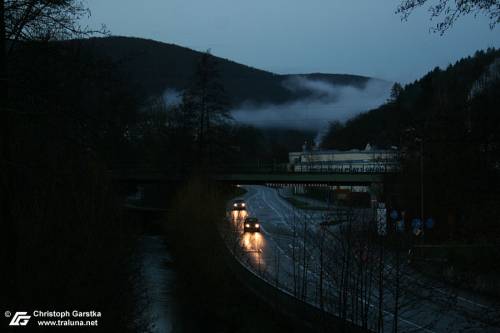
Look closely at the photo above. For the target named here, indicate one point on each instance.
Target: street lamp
(421, 141)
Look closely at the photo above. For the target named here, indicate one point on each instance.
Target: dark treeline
(414, 105)
(451, 119)
(77, 97)
(69, 242)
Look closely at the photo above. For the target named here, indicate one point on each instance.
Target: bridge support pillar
(376, 191)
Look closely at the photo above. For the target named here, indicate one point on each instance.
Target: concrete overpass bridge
(250, 175)
(300, 178)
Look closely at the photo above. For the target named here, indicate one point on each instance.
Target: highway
(328, 267)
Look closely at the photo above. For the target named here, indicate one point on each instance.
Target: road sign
(400, 226)
(416, 226)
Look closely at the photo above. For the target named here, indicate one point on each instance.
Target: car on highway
(251, 225)
(239, 204)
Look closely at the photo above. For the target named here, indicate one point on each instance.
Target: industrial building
(369, 160)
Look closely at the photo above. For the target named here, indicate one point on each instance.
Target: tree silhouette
(396, 90)
(205, 98)
(45, 20)
(450, 11)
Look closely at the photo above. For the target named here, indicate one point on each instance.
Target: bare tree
(45, 19)
(450, 11)
(206, 99)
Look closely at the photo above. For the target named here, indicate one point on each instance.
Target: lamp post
(381, 218)
(399, 223)
(421, 141)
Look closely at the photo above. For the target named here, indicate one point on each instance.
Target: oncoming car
(239, 205)
(251, 224)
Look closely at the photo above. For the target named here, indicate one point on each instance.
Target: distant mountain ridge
(155, 66)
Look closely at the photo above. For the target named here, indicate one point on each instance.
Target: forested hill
(154, 66)
(460, 96)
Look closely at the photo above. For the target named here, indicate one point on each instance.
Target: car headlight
(256, 225)
(243, 204)
(247, 225)
(235, 205)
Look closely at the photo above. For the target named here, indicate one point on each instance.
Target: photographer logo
(20, 319)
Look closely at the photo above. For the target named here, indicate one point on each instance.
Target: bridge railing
(252, 168)
(334, 168)
(175, 171)
(347, 167)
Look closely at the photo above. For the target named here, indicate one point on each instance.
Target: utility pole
(422, 180)
(322, 243)
(304, 263)
(421, 142)
(396, 296)
(380, 323)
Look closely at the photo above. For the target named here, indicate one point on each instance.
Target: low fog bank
(327, 102)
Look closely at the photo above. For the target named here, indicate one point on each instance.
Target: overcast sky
(297, 36)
